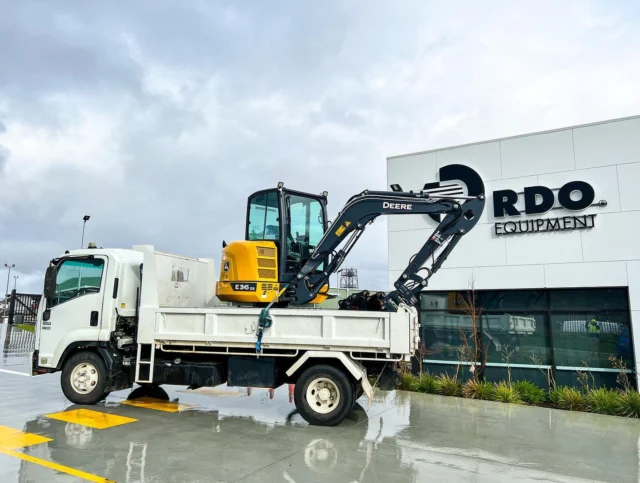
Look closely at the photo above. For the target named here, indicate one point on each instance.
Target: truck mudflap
(120, 376)
(356, 369)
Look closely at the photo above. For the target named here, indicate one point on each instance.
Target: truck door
(75, 311)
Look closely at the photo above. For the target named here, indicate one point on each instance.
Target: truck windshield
(76, 278)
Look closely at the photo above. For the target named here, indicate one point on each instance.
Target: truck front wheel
(84, 378)
(323, 395)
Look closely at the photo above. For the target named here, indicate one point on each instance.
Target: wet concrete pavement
(223, 434)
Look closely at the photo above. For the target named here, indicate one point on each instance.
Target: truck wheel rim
(84, 378)
(323, 395)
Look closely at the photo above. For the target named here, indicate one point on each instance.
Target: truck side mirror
(50, 283)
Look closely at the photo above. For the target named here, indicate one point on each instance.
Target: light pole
(8, 277)
(15, 281)
(85, 218)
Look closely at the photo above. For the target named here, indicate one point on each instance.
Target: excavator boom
(461, 213)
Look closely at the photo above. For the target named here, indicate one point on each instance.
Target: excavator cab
(283, 227)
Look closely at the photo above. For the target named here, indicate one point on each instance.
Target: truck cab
(93, 295)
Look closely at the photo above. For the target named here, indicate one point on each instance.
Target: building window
(514, 299)
(589, 339)
(589, 299)
(444, 334)
(565, 329)
(516, 338)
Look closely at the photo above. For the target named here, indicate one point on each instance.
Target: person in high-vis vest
(593, 329)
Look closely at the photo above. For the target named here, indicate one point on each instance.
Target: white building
(522, 269)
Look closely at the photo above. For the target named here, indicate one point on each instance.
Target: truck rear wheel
(323, 395)
(84, 378)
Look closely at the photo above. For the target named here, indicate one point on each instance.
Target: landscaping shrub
(603, 401)
(530, 393)
(504, 392)
(447, 385)
(568, 398)
(554, 396)
(477, 389)
(630, 404)
(427, 383)
(408, 382)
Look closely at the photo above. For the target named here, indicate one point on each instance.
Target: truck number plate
(245, 287)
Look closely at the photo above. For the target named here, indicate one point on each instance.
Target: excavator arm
(461, 213)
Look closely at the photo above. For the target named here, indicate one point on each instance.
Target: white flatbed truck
(110, 318)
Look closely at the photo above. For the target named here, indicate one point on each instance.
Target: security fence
(17, 343)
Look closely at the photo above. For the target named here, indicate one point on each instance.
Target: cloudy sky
(158, 118)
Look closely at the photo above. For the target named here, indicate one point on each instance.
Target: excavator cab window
(264, 217)
(293, 220)
(305, 222)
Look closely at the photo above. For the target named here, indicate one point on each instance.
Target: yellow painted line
(12, 438)
(55, 466)
(157, 404)
(93, 419)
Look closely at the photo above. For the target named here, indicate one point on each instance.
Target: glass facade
(561, 330)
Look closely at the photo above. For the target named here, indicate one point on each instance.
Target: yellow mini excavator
(291, 250)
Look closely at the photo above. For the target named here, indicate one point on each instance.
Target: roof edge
(457, 146)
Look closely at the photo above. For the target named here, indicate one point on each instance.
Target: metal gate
(23, 308)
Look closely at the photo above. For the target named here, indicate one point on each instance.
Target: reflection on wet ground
(227, 434)
(17, 345)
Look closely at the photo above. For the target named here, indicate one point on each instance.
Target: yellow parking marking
(12, 438)
(158, 404)
(93, 419)
(55, 466)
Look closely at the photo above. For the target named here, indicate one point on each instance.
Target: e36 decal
(244, 287)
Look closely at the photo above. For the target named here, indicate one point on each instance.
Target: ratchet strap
(265, 321)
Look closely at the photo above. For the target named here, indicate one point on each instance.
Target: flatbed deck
(370, 334)
(171, 321)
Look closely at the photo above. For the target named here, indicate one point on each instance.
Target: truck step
(144, 365)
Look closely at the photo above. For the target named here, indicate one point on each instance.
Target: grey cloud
(4, 155)
(186, 108)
